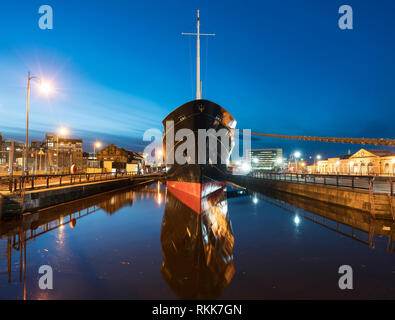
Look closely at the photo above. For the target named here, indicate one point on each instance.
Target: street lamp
(318, 157)
(45, 88)
(98, 145)
(297, 155)
(160, 156)
(61, 132)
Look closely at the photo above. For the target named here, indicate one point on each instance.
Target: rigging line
(363, 141)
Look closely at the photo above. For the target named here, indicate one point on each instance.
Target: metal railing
(374, 183)
(32, 182)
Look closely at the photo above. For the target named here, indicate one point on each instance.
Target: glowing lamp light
(319, 157)
(63, 131)
(351, 163)
(297, 154)
(255, 200)
(338, 163)
(279, 160)
(97, 144)
(45, 88)
(297, 220)
(73, 223)
(255, 160)
(245, 167)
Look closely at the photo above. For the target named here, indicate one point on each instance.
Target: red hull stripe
(191, 193)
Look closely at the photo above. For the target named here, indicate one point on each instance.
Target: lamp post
(297, 155)
(62, 131)
(98, 145)
(318, 157)
(45, 88)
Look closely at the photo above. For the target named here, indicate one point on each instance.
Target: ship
(195, 177)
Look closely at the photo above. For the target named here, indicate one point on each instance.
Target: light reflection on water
(146, 244)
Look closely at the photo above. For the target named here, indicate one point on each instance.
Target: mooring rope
(362, 141)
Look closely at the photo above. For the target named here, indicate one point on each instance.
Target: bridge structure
(35, 192)
(36, 182)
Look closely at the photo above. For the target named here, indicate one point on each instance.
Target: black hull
(195, 115)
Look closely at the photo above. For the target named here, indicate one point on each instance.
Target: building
(363, 162)
(266, 159)
(296, 166)
(62, 153)
(36, 145)
(11, 149)
(119, 159)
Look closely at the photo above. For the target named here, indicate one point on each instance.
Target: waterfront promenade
(374, 195)
(33, 193)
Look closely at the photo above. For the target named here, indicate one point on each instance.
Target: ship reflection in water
(150, 243)
(197, 247)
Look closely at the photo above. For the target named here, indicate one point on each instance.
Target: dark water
(146, 244)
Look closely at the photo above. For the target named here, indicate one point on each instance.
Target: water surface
(273, 246)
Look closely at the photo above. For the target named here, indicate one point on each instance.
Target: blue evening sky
(119, 67)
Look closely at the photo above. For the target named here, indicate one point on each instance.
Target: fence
(32, 182)
(368, 183)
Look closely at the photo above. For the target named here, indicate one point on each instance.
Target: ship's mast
(198, 88)
(198, 34)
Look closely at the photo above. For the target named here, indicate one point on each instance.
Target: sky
(119, 67)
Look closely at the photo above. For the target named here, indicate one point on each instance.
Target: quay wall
(14, 205)
(351, 198)
(40, 199)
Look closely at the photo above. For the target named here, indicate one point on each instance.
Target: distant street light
(159, 156)
(246, 167)
(45, 88)
(98, 145)
(297, 155)
(318, 157)
(62, 131)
